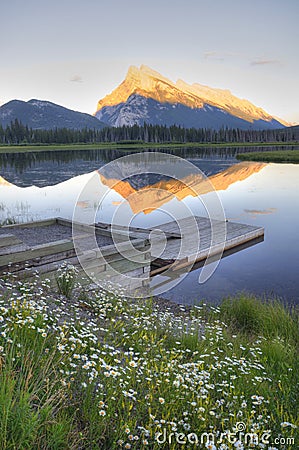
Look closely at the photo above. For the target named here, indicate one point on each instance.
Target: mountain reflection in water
(150, 197)
(33, 203)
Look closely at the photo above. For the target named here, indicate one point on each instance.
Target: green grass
(277, 156)
(130, 146)
(278, 325)
(100, 371)
(253, 316)
(8, 221)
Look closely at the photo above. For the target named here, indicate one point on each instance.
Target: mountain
(147, 96)
(38, 114)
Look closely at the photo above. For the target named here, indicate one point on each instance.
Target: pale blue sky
(75, 52)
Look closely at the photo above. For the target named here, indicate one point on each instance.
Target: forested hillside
(17, 133)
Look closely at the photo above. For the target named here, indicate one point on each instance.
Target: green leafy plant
(66, 279)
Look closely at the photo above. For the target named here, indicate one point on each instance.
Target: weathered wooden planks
(137, 231)
(36, 252)
(7, 240)
(36, 223)
(125, 261)
(214, 238)
(132, 260)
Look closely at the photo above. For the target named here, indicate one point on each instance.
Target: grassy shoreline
(90, 370)
(277, 156)
(130, 146)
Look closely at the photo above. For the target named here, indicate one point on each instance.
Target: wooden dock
(39, 246)
(129, 255)
(173, 273)
(215, 237)
(183, 249)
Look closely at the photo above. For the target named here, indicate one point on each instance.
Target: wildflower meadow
(86, 369)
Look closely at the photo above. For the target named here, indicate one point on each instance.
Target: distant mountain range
(147, 96)
(38, 114)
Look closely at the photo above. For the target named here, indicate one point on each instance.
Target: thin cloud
(76, 79)
(209, 54)
(264, 62)
(253, 61)
(214, 55)
(220, 56)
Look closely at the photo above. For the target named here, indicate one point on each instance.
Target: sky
(74, 52)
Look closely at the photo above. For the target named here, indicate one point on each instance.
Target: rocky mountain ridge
(147, 96)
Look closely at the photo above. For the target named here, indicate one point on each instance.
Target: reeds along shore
(277, 156)
(91, 370)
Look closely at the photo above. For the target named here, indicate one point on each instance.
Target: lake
(45, 184)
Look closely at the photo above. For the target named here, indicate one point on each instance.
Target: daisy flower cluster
(91, 369)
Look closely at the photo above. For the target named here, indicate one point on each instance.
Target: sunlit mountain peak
(146, 95)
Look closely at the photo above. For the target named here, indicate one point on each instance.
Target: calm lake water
(46, 184)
